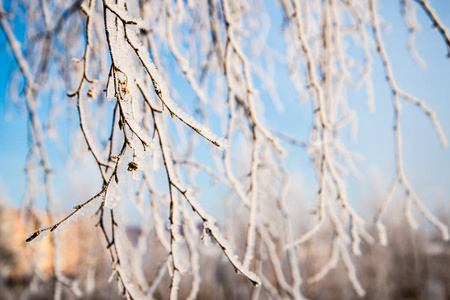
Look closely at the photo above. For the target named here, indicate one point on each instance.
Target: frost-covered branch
(182, 107)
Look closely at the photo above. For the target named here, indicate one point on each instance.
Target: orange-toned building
(21, 258)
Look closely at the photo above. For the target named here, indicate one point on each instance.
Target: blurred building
(18, 259)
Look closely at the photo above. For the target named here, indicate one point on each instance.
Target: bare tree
(167, 90)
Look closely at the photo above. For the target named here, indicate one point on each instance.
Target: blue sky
(426, 162)
(427, 165)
